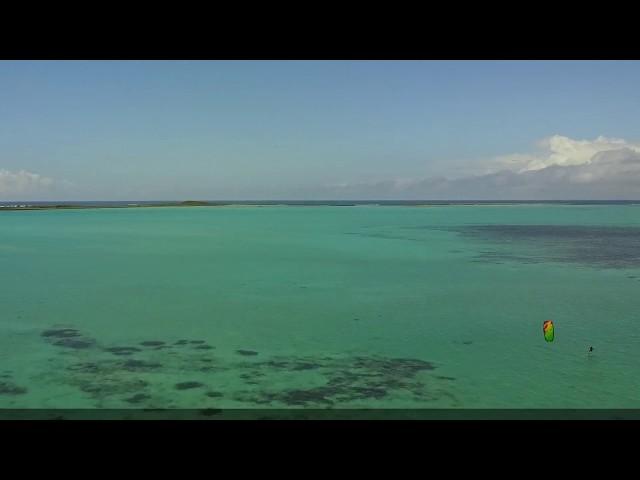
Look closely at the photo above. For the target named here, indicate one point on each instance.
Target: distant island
(194, 203)
(81, 205)
(85, 205)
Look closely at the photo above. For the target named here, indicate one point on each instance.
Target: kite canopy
(548, 331)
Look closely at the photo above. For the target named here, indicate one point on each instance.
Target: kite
(547, 330)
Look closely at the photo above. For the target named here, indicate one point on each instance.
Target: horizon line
(328, 200)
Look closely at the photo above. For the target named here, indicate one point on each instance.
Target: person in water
(590, 349)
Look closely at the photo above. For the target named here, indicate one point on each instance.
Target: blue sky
(313, 129)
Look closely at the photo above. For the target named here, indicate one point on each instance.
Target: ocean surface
(329, 307)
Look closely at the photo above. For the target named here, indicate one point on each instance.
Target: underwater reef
(154, 374)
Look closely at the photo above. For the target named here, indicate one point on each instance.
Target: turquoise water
(320, 307)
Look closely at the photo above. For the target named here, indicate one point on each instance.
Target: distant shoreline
(81, 205)
(88, 205)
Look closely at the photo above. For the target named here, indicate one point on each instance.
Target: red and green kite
(547, 330)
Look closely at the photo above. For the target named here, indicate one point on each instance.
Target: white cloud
(564, 169)
(563, 151)
(22, 183)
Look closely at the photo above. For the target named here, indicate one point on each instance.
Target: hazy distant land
(73, 206)
(80, 205)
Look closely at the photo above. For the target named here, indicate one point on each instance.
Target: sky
(303, 130)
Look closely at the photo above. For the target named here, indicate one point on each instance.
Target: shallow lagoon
(320, 307)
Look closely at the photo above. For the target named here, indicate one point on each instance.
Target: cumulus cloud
(562, 169)
(22, 183)
(563, 151)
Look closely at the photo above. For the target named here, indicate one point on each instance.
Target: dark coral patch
(594, 246)
(137, 365)
(346, 380)
(188, 385)
(138, 398)
(60, 333)
(305, 366)
(398, 366)
(122, 350)
(323, 395)
(369, 392)
(247, 353)
(10, 388)
(277, 364)
(335, 380)
(293, 365)
(303, 397)
(75, 343)
(87, 367)
(251, 376)
(105, 387)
